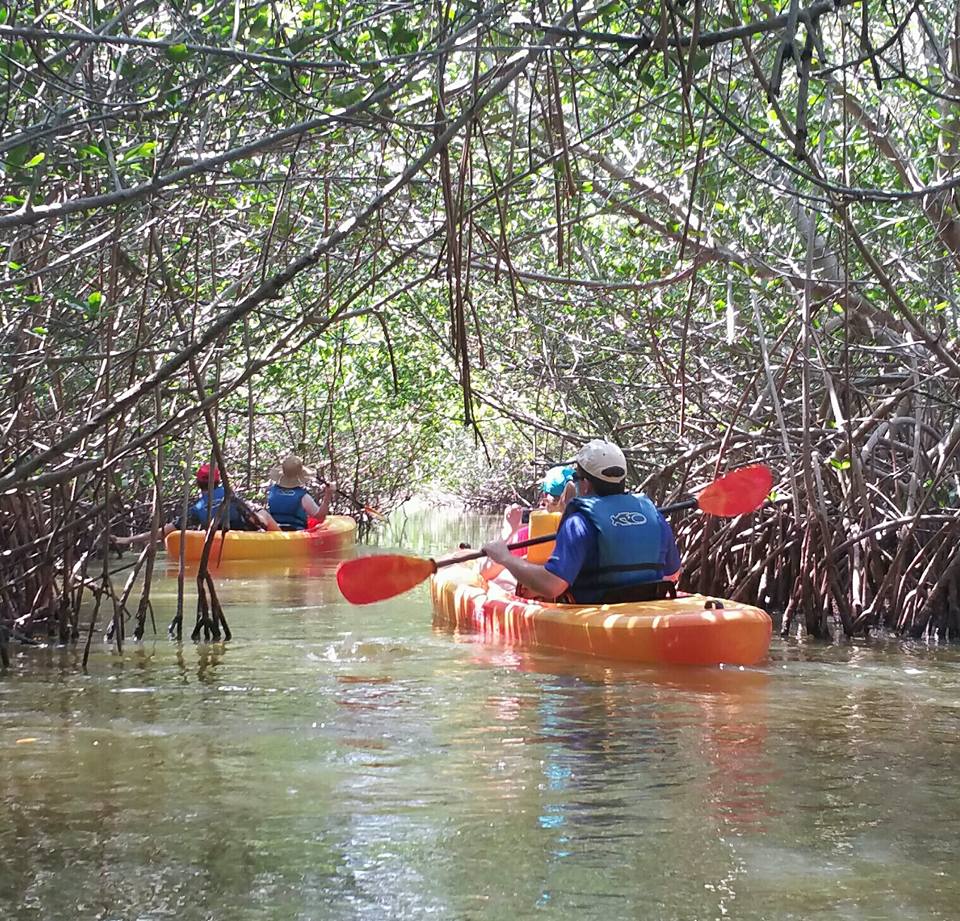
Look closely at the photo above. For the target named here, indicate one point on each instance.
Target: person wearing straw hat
(611, 546)
(289, 501)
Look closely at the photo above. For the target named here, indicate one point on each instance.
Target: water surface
(333, 762)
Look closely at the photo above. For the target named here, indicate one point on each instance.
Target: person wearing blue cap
(558, 488)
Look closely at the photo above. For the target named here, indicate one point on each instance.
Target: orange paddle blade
(375, 578)
(738, 493)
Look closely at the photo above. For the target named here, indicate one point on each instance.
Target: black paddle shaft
(544, 538)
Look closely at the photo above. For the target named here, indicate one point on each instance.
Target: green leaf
(609, 10)
(91, 310)
(178, 52)
(402, 39)
(840, 464)
(140, 152)
(35, 160)
(700, 60)
(90, 151)
(349, 98)
(261, 24)
(301, 40)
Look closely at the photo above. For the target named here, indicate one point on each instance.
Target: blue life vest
(630, 547)
(286, 506)
(204, 511)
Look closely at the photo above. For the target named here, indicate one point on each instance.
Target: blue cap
(556, 479)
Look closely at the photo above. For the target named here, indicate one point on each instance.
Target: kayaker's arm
(531, 575)
(315, 511)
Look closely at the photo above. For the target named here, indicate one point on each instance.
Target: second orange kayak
(336, 533)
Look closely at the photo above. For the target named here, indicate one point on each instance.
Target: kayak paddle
(375, 578)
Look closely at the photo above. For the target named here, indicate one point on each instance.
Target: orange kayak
(336, 533)
(688, 630)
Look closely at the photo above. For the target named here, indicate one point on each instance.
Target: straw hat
(291, 473)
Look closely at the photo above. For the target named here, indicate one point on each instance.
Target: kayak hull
(689, 630)
(336, 533)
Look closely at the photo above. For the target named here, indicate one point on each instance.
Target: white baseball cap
(603, 460)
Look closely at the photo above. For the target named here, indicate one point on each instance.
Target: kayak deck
(336, 533)
(688, 630)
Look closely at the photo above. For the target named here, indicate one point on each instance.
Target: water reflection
(428, 531)
(345, 763)
(598, 720)
(308, 582)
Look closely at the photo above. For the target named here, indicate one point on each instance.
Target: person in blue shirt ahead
(612, 546)
(241, 517)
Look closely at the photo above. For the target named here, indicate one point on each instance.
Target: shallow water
(333, 762)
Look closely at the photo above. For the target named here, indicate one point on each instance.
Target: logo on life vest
(627, 519)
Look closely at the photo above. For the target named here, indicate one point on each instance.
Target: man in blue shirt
(611, 546)
(200, 513)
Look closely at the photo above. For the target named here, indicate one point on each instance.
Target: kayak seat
(645, 591)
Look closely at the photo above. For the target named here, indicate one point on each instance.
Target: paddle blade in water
(738, 493)
(375, 578)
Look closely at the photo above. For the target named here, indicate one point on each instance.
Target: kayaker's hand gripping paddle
(375, 578)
